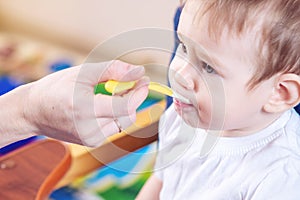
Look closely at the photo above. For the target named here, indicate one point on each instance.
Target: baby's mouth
(180, 104)
(181, 99)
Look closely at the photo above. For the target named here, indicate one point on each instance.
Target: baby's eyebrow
(198, 49)
(214, 62)
(205, 57)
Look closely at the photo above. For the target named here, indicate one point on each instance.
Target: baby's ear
(285, 95)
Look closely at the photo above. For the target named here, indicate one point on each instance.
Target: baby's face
(214, 76)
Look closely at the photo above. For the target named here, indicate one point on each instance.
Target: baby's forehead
(196, 30)
(273, 26)
(226, 17)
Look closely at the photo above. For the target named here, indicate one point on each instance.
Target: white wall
(84, 23)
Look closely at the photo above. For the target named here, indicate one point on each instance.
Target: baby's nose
(184, 78)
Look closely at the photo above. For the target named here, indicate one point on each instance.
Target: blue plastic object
(7, 83)
(60, 65)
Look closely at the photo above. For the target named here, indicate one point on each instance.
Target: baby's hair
(278, 49)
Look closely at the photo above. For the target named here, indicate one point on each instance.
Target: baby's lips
(181, 98)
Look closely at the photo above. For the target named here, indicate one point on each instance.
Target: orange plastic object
(31, 172)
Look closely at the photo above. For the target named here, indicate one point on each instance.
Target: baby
(239, 137)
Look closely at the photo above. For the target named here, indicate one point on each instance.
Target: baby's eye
(208, 68)
(183, 47)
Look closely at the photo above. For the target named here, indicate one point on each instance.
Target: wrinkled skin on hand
(63, 105)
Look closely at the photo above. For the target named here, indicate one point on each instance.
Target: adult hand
(63, 105)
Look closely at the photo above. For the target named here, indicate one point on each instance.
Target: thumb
(121, 71)
(94, 73)
(117, 106)
(138, 95)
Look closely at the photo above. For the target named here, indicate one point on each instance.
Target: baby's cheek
(205, 109)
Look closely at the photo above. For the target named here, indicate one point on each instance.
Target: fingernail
(146, 79)
(138, 70)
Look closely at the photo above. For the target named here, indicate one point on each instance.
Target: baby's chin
(191, 118)
(192, 123)
(196, 122)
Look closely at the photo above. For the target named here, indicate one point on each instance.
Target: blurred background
(79, 26)
(40, 37)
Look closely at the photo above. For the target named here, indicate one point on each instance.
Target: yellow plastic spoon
(115, 87)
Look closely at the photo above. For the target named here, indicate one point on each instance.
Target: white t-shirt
(261, 166)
